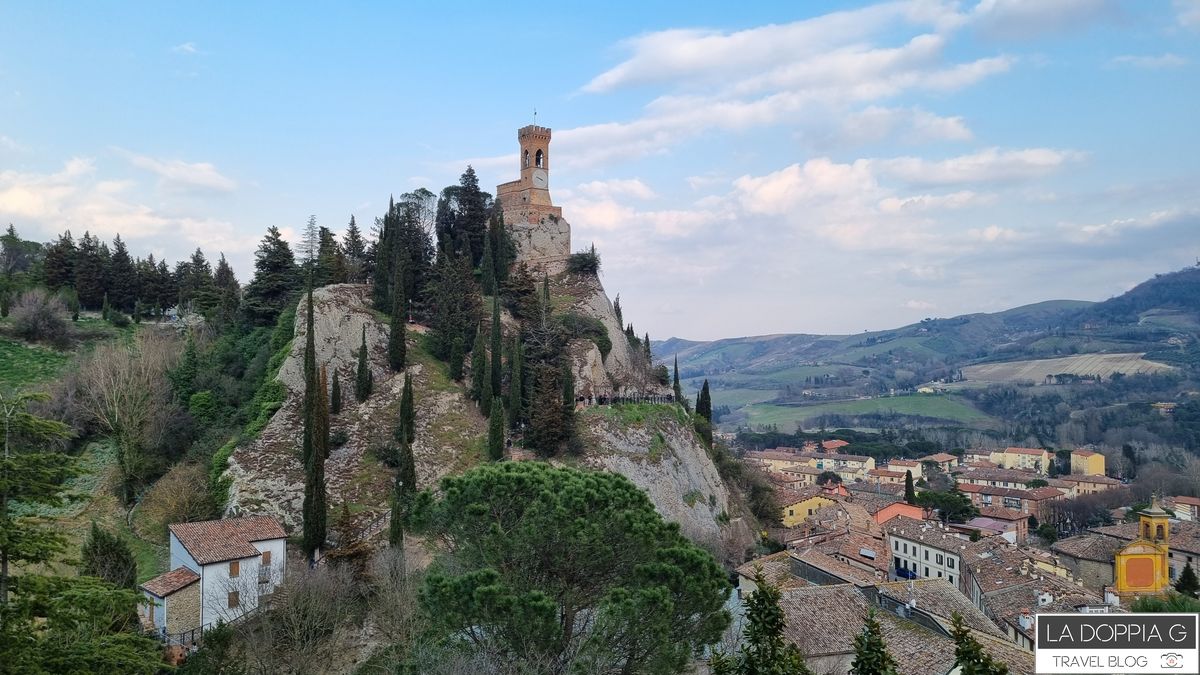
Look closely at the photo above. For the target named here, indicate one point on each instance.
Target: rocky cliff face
(266, 473)
(655, 447)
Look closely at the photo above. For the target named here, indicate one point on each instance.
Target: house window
(266, 559)
(939, 574)
(235, 568)
(895, 546)
(926, 571)
(810, 512)
(939, 558)
(906, 548)
(927, 554)
(951, 578)
(791, 512)
(950, 563)
(234, 600)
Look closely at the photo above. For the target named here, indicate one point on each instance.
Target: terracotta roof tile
(939, 457)
(1184, 536)
(1001, 513)
(165, 584)
(213, 541)
(1025, 451)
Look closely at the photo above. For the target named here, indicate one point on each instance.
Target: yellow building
(1087, 463)
(1141, 565)
(796, 505)
(1029, 459)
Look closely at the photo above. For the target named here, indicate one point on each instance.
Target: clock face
(539, 178)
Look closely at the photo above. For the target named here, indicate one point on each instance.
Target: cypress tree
(335, 398)
(646, 349)
(568, 406)
(479, 371)
(968, 654)
(545, 433)
(311, 448)
(397, 349)
(405, 486)
(107, 556)
(546, 293)
(362, 379)
(516, 393)
(870, 654)
(1187, 583)
(617, 310)
(105, 309)
(704, 403)
(487, 268)
(910, 493)
(496, 373)
(456, 359)
(675, 383)
(496, 431)
(408, 414)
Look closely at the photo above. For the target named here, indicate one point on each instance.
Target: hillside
(789, 378)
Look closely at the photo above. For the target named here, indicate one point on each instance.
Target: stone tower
(542, 237)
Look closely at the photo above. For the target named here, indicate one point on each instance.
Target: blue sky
(782, 167)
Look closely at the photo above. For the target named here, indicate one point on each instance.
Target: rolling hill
(1155, 326)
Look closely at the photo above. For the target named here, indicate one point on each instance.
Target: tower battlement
(533, 132)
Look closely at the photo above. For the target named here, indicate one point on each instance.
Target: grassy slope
(925, 405)
(23, 365)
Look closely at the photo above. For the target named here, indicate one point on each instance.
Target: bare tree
(124, 390)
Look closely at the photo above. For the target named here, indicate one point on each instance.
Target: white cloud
(616, 188)
(178, 174)
(920, 304)
(995, 234)
(1022, 19)
(913, 125)
(1188, 13)
(1092, 233)
(1160, 61)
(955, 200)
(987, 166)
(185, 48)
(7, 143)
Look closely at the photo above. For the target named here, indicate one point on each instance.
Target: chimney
(1026, 620)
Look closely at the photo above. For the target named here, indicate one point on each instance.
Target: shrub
(38, 316)
(584, 262)
(338, 438)
(579, 326)
(118, 318)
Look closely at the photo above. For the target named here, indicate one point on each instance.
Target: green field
(22, 365)
(925, 405)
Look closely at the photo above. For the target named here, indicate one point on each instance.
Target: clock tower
(542, 237)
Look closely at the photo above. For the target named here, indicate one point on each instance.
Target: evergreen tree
(675, 386)
(383, 272)
(108, 557)
(704, 403)
(122, 284)
(197, 286)
(455, 305)
(516, 392)
(355, 250)
(479, 371)
(406, 481)
(363, 380)
(105, 309)
(1187, 583)
(326, 264)
(617, 310)
(335, 397)
(646, 352)
(229, 292)
(183, 376)
(496, 370)
(309, 246)
(487, 268)
(910, 493)
(568, 407)
(89, 272)
(471, 224)
(548, 308)
(59, 265)
(765, 651)
(870, 654)
(968, 654)
(397, 347)
(408, 412)
(33, 477)
(314, 535)
(456, 359)
(496, 431)
(275, 284)
(546, 432)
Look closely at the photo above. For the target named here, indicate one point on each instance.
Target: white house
(219, 569)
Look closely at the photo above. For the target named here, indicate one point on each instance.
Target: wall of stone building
(547, 238)
(183, 609)
(1092, 574)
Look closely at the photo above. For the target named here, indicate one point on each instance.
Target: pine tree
(122, 277)
(456, 359)
(870, 654)
(765, 651)
(355, 250)
(910, 493)
(968, 654)
(545, 434)
(59, 264)
(363, 379)
(408, 413)
(1187, 583)
(479, 371)
(89, 272)
(496, 431)
(276, 281)
(229, 292)
(516, 393)
(676, 387)
(397, 347)
(471, 221)
(335, 398)
(107, 556)
(496, 369)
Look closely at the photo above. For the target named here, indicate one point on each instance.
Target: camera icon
(1172, 660)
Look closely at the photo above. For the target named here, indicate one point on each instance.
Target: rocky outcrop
(266, 472)
(656, 448)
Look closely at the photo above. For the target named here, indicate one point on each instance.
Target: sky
(742, 168)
